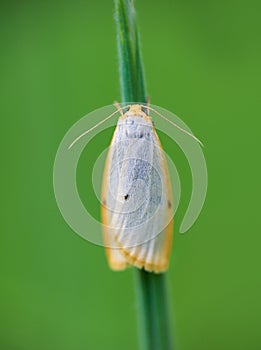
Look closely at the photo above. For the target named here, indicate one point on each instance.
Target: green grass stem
(152, 302)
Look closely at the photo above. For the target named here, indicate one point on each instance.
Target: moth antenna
(118, 106)
(174, 124)
(95, 126)
(148, 99)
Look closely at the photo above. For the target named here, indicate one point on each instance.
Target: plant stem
(130, 63)
(152, 306)
(154, 325)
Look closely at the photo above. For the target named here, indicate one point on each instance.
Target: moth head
(136, 111)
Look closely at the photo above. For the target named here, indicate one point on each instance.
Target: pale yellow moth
(137, 204)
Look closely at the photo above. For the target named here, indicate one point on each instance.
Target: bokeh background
(58, 62)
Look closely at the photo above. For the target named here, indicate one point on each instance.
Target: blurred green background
(59, 62)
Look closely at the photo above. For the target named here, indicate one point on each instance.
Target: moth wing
(148, 245)
(116, 259)
(138, 218)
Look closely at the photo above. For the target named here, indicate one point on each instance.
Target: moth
(137, 205)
